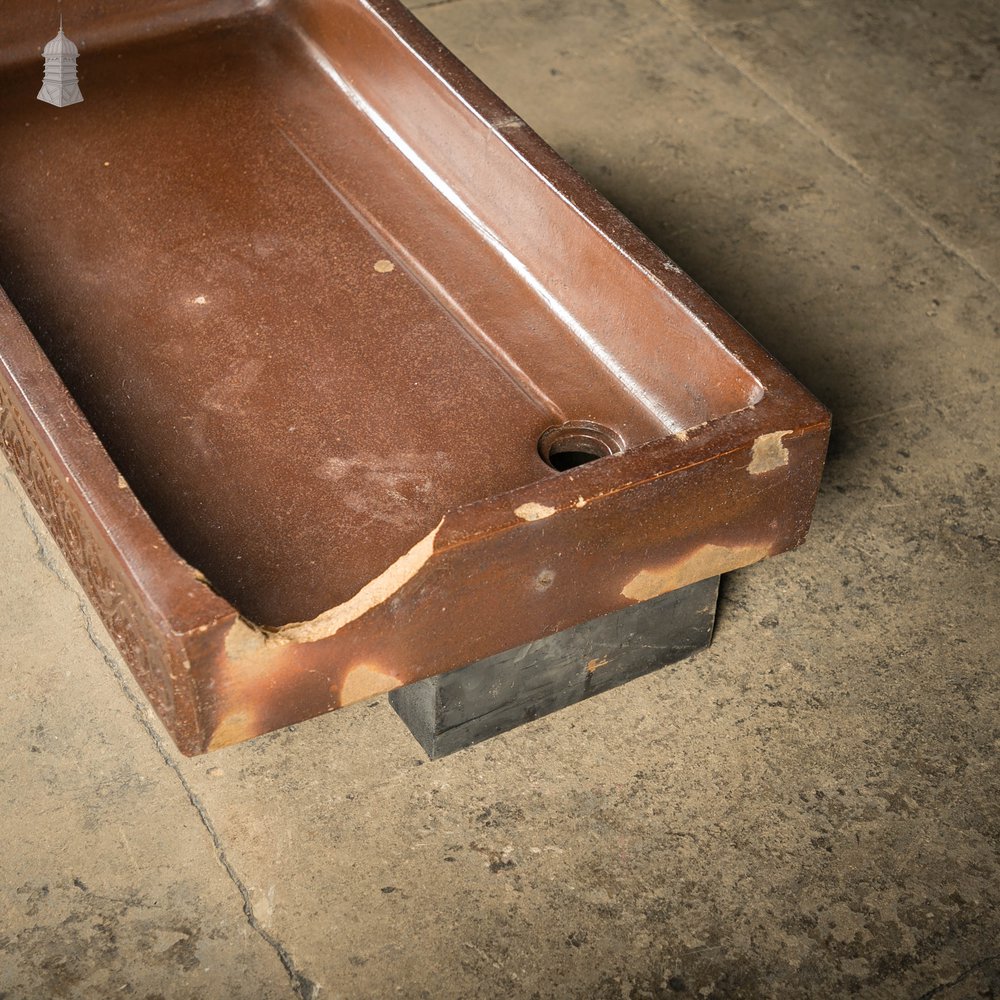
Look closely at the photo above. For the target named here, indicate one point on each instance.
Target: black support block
(463, 707)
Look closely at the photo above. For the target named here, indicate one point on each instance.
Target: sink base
(451, 711)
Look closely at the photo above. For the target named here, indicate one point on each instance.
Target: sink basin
(328, 375)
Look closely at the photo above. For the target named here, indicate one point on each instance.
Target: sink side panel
(470, 598)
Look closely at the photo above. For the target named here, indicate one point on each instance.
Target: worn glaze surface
(290, 300)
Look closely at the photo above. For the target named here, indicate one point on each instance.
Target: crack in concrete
(934, 991)
(304, 987)
(814, 129)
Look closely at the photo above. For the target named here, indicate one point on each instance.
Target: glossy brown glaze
(292, 299)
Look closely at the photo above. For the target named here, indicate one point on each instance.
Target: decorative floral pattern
(146, 651)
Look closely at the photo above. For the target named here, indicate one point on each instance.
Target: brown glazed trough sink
(304, 339)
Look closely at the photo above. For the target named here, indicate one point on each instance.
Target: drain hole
(563, 460)
(577, 442)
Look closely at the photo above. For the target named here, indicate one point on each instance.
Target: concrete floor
(809, 809)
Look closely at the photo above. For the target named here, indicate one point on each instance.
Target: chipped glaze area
(769, 453)
(533, 512)
(703, 562)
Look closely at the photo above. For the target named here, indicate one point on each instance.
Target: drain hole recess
(577, 442)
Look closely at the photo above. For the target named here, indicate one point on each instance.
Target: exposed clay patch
(769, 452)
(234, 728)
(365, 682)
(534, 511)
(369, 596)
(245, 639)
(706, 561)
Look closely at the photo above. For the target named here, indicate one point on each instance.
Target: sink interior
(309, 300)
